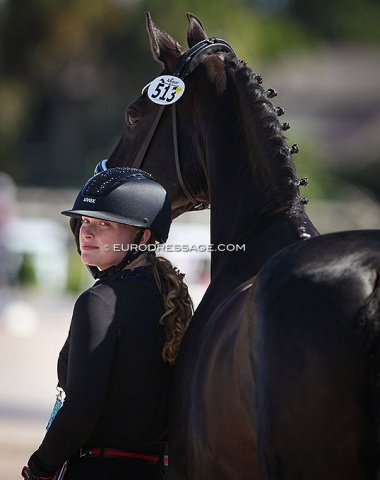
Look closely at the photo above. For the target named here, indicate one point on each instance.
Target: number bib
(166, 89)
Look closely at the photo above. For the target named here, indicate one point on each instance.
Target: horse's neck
(251, 209)
(232, 269)
(252, 181)
(251, 245)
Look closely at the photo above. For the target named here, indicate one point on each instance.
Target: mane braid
(266, 138)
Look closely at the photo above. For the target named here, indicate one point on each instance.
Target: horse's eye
(132, 119)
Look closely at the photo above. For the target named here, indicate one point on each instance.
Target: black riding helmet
(129, 196)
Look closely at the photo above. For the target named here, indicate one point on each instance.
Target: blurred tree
(329, 20)
(65, 83)
(332, 20)
(69, 67)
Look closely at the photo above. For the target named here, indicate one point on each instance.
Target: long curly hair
(178, 304)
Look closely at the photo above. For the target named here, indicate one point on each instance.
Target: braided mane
(264, 135)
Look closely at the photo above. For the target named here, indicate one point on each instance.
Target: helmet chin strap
(129, 257)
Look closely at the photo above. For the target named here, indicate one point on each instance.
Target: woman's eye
(132, 119)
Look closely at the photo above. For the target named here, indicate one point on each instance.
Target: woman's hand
(36, 471)
(27, 474)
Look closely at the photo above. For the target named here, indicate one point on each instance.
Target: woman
(116, 364)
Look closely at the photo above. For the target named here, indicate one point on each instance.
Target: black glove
(36, 471)
(27, 474)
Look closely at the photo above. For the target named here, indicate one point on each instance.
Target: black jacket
(112, 371)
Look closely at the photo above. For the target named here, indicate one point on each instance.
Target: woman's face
(104, 243)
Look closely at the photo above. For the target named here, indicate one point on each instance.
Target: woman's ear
(146, 236)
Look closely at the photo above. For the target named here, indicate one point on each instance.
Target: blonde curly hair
(178, 305)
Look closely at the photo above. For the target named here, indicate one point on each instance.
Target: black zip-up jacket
(112, 372)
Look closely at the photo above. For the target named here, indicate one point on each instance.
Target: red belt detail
(111, 453)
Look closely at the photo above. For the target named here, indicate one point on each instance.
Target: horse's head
(169, 141)
(218, 137)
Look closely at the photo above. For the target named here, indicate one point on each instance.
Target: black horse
(278, 376)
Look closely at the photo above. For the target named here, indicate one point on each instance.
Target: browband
(193, 57)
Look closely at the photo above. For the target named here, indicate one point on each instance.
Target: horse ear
(195, 33)
(164, 48)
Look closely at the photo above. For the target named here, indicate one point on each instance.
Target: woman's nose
(86, 232)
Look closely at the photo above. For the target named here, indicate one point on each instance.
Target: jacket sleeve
(63, 363)
(93, 337)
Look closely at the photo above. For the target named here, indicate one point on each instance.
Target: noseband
(188, 63)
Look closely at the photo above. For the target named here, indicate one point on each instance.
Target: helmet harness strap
(128, 258)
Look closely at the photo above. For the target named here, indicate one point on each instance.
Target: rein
(188, 63)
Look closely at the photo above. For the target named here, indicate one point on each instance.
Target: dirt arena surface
(32, 331)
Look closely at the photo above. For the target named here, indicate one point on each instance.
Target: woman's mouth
(88, 247)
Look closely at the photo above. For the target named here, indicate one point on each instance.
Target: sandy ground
(19, 438)
(32, 331)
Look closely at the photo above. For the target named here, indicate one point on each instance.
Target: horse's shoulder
(324, 249)
(322, 269)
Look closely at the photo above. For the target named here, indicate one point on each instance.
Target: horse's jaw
(178, 210)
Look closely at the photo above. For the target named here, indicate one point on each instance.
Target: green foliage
(76, 273)
(310, 163)
(27, 273)
(350, 20)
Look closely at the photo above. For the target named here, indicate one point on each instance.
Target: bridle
(188, 63)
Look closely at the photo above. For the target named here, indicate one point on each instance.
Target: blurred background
(67, 71)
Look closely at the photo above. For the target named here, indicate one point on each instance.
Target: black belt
(115, 453)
